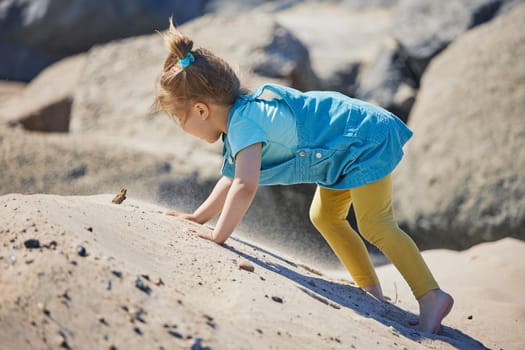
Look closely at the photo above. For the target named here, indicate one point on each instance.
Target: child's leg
(328, 213)
(373, 207)
(375, 218)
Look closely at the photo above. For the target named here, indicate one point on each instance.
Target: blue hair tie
(186, 61)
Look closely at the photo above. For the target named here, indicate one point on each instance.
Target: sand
(80, 272)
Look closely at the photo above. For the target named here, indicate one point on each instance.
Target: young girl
(346, 146)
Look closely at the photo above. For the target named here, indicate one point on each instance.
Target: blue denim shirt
(341, 142)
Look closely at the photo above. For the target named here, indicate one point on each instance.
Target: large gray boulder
(340, 49)
(35, 33)
(462, 180)
(425, 27)
(388, 82)
(508, 5)
(420, 30)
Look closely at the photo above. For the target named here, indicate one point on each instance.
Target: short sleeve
(244, 132)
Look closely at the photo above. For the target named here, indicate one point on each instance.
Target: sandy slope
(487, 282)
(145, 282)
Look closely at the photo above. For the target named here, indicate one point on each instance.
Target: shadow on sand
(340, 295)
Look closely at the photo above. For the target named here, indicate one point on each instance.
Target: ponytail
(178, 44)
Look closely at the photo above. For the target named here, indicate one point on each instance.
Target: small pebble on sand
(139, 283)
(81, 251)
(277, 299)
(247, 266)
(120, 197)
(32, 243)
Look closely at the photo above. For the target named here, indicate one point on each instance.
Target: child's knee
(321, 219)
(377, 231)
(316, 216)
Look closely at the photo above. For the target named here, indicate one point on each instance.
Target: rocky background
(79, 78)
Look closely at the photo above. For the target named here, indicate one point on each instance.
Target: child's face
(198, 122)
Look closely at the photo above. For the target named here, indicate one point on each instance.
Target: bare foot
(376, 291)
(433, 307)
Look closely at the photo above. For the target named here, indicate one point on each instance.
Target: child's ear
(203, 110)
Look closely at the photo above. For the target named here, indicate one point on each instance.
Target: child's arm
(241, 192)
(212, 206)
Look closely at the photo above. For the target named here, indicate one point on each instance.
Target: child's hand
(181, 215)
(198, 230)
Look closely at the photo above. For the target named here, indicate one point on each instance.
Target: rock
(388, 82)
(425, 27)
(117, 273)
(247, 266)
(45, 103)
(277, 299)
(197, 345)
(120, 197)
(139, 283)
(421, 29)
(508, 5)
(176, 334)
(139, 315)
(339, 50)
(461, 181)
(34, 34)
(32, 243)
(81, 251)
(51, 245)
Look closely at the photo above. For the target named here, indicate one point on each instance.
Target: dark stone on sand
(197, 345)
(277, 299)
(117, 273)
(81, 251)
(32, 243)
(176, 334)
(139, 283)
(51, 245)
(138, 315)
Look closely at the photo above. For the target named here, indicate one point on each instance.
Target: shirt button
(318, 155)
(302, 153)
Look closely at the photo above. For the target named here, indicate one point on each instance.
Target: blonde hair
(208, 78)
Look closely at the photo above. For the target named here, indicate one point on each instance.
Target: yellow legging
(375, 219)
